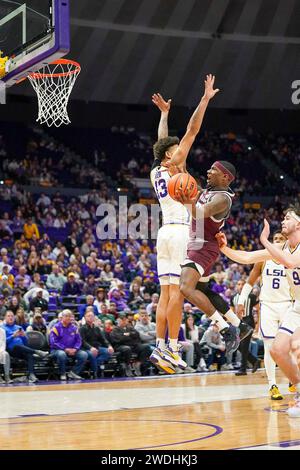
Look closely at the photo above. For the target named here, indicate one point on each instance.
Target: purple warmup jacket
(62, 337)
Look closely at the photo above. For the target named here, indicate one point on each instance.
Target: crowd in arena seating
(57, 276)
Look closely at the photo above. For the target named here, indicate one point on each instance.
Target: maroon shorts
(206, 258)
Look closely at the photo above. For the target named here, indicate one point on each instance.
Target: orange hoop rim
(77, 69)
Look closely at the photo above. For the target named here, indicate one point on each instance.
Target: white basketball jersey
(293, 275)
(274, 284)
(173, 212)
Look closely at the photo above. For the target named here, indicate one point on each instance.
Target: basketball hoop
(53, 85)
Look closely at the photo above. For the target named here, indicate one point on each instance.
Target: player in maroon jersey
(211, 208)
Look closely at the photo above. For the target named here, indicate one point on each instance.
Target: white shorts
(272, 315)
(171, 247)
(291, 320)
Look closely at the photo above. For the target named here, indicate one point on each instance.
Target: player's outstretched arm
(239, 256)
(195, 123)
(164, 107)
(289, 260)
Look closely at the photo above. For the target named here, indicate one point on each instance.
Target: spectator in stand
(130, 317)
(94, 343)
(106, 315)
(101, 298)
(38, 323)
(33, 292)
(30, 229)
(119, 272)
(146, 328)
(108, 327)
(107, 274)
(10, 277)
(20, 302)
(213, 340)
(4, 358)
(150, 287)
(152, 307)
(36, 280)
(136, 298)
(89, 303)
(38, 301)
(16, 344)
(21, 318)
(126, 340)
(4, 285)
(65, 342)
(14, 304)
(43, 201)
(23, 276)
(3, 307)
(191, 332)
(90, 285)
(71, 287)
(56, 279)
(5, 232)
(5, 261)
(117, 297)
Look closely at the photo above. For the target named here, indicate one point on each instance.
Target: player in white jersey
(286, 340)
(173, 235)
(275, 299)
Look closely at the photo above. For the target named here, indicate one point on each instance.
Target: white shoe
(179, 371)
(32, 378)
(63, 377)
(294, 411)
(42, 353)
(189, 370)
(74, 376)
(202, 369)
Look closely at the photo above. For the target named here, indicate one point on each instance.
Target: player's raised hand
(221, 239)
(209, 87)
(265, 233)
(163, 106)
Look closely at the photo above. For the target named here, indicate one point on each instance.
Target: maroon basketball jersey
(203, 247)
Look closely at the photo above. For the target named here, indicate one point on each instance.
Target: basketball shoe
(173, 357)
(158, 360)
(292, 388)
(275, 393)
(294, 410)
(231, 338)
(245, 330)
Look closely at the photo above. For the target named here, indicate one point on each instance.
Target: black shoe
(255, 366)
(245, 330)
(241, 372)
(231, 338)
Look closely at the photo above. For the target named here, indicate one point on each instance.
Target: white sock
(221, 323)
(173, 344)
(232, 318)
(161, 343)
(270, 365)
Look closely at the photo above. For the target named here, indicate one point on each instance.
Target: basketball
(184, 182)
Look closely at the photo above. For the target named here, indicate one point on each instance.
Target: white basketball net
(53, 85)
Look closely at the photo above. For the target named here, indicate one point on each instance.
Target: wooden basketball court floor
(182, 412)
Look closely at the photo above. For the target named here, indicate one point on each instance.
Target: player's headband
(294, 215)
(224, 170)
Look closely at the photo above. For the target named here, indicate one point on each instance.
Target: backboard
(32, 33)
